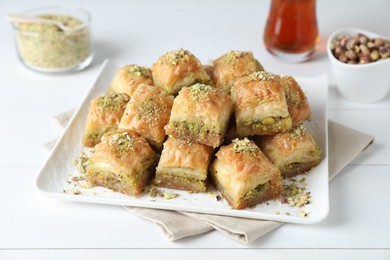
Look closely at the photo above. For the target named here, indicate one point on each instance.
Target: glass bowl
(46, 48)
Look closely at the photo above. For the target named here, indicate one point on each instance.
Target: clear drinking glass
(291, 31)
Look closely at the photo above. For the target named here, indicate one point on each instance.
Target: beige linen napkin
(344, 145)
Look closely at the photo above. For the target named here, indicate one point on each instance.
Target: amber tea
(291, 31)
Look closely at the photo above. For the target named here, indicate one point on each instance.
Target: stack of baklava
(183, 125)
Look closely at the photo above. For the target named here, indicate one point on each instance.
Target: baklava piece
(177, 69)
(260, 105)
(244, 176)
(183, 165)
(200, 114)
(128, 77)
(233, 65)
(298, 107)
(209, 69)
(293, 152)
(147, 113)
(104, 115)
(122, 162)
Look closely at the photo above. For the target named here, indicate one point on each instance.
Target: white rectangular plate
(58, 169)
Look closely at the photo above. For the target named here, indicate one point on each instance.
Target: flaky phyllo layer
(200, 114)
(244, 175)
(123, 162)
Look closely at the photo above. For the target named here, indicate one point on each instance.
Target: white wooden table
(35, 227)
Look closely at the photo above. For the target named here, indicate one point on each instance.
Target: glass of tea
(291, 31)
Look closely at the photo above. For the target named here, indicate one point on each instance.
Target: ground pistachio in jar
(47, 47)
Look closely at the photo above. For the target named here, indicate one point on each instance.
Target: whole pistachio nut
(374, 55)
(364, 49)
(351, 54)
(379, 42)
(351, 43)
(356, 49)
(332, 45)
(344, 41)
(343, 58)
(338, 51)
(365, 60)
(360, 49)
(371, 45)
(362, 38)
(384, 51)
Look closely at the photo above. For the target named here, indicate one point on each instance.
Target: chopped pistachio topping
(181, 142)
(148, 107)
(199, 90)
(168, 195)
(81, 162)
(73, 192)
(232, 56)
(154, 192)
(295, 194)
(244, 146)
(293, 96)
(298, 132)
(121, 142)
(139, 71)
(262, 76)
(112, 102)
(149, 110)
(177, 56)
(304, 214)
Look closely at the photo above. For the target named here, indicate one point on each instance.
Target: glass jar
(46, 48)
(291, 31)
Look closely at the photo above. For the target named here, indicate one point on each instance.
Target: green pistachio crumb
(121, 142)
(232, 56)
(245, 146)
(177, 56)
(139, 71)
(262, 76)
(199, 91)
(298, 132)
(81, 162)
(149, 110)
(112, 102)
